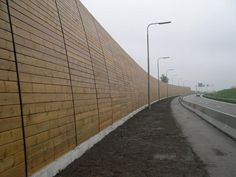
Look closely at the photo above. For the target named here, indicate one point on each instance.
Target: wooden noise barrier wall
(63, 79)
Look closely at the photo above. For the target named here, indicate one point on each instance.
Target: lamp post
(167, 82)
(184, 82)
(179, 81)
(148, 65)
(173, 78)
(184, 85)
(158, 69)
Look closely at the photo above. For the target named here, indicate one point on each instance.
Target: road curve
(215, 149)
(219, 106)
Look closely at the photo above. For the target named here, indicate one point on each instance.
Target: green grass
(227, 95)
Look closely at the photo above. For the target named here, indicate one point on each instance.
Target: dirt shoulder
(148, 145)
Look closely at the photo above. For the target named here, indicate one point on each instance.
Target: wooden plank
(10, 123)
(8, 111)
(82, 75)
(8, 86)
(6, 54)
(10, 136)
(11, 144)
(11, 161)
(44, 79)
(19, 170)
(79, 77)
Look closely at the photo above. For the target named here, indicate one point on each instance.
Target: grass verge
(227, 95)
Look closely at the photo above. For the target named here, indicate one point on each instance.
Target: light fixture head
(163, 23)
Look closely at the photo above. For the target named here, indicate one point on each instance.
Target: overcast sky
(201, 40)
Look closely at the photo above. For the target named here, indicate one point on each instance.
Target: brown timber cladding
(11, 137)
(75, 81)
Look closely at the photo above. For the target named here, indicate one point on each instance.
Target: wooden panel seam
(77, 6)
(73, 100)
(19, 88)
(99, 38)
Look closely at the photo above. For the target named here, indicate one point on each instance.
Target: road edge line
(222, 127)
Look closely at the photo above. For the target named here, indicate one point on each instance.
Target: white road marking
(232, 115)
(232, 104)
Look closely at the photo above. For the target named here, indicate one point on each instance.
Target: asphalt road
(214, 148)
(227, 108)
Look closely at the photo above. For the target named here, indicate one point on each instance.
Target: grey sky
(201, 40)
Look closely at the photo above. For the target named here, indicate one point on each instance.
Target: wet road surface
(224, 107)
(217, 150)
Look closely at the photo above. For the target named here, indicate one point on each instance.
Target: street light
(151, 24)
(167, 82)
(184, 82)
(173, 78)
(159, 89)
(179, 81)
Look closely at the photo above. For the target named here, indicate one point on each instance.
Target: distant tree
(164, 78)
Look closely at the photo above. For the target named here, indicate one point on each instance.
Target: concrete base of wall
(62, 162)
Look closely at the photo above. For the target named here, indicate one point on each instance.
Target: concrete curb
(62, 162)
(222, 121)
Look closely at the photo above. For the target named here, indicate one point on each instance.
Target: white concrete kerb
(219, 125)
